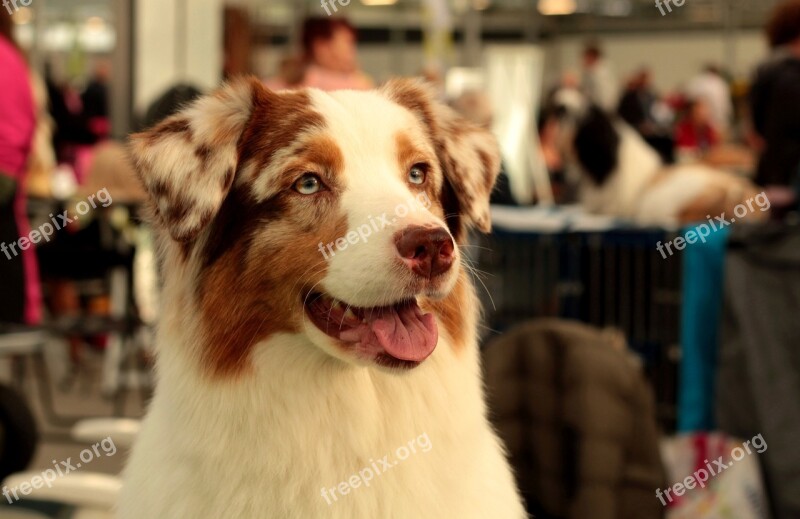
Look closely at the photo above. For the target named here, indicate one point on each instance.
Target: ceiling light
(378, 2)
(95, 22)
(557, 7)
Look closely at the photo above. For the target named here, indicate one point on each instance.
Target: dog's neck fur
(345, 415)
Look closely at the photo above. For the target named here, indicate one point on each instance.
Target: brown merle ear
(469, 154)
(187, 163)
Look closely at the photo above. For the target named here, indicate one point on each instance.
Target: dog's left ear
(469, 155)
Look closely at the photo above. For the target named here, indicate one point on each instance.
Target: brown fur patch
(258, 264)
(451, 312)
(260, 257)
(414, 97)
(407, 153)
(170, 127)
(278, 119)
(318, 154)
(407, 156)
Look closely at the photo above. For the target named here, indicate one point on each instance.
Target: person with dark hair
(711, 86)
(95, 101)
(775, 100)
(18, 270)
(329, 51)
(642, 108)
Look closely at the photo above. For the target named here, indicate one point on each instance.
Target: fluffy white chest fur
(267, 447)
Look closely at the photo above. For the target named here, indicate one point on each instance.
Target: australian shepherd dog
(317, 351)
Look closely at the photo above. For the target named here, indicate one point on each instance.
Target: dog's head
(331, 215)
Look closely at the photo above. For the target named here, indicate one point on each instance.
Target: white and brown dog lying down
(301, 361)
(622, 176)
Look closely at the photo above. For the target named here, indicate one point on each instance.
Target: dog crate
(607, 278)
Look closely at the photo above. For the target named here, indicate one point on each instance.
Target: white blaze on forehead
(365, 125)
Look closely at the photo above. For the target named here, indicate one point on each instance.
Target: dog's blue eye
(308, 184)
(417, 174)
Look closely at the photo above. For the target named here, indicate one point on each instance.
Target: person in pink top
(19, 277)
(329, 46)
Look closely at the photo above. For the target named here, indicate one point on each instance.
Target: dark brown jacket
(578, 418)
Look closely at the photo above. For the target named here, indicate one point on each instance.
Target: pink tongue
(403, 332)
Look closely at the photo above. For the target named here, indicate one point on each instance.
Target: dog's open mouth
(398, 336)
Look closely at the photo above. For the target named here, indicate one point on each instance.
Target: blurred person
(642, 108)
(329, 47)
(599, 82)
(775, 100)
(637, 104)
(21, 294)
(696, 134)
(713, 89)
(567, 80)
(71, 127)
(95, 101)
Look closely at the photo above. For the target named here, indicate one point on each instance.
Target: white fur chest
(309, 437)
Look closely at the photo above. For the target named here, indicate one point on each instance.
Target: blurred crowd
(751, 127)
(51, 125)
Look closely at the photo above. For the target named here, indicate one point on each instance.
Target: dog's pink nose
(428, 252)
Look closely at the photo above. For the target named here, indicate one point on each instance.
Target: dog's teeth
(349, 314)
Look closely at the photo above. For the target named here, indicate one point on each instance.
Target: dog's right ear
(187, 163)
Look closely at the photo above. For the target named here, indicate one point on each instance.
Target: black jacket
(775, 104)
